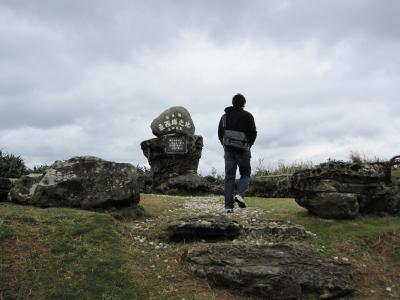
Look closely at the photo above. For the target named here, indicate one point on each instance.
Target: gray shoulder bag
(234, 139)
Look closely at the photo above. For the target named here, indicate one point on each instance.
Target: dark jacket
(238, 119)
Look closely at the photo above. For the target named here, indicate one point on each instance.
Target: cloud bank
(88, 77)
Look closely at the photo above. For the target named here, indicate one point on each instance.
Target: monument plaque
(175, 144)
(176, 150)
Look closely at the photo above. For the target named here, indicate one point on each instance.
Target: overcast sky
(88, 77)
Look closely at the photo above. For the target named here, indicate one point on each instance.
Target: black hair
(238, 100)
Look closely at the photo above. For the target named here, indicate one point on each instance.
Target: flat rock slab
(280, 271)
(203, 227)
(276, 230)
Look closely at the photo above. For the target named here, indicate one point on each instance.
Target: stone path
(215, 205)
(255, 262)
(195, 206)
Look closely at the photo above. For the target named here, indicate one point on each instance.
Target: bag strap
(224, 121)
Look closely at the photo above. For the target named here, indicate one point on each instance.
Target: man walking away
(237, 133)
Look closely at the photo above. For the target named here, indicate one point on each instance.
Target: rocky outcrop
(343, 190)
(270, 187)
(272, 272)
(85, 182)
(5, 187)
(203, 227)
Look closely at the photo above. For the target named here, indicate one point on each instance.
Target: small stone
(311, 233)
(388, 289)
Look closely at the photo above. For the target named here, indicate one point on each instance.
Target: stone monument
(175, 152)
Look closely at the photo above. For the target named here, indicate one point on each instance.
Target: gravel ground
(205, 205)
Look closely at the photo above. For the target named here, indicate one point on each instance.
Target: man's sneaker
(229, 210)
(240, 201)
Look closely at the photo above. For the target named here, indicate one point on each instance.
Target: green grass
(121, 254)
(62, 254)
(329, 232)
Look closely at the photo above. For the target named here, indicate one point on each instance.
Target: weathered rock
(165, 165)
(275, 230)
(271, 272)
(24, 188)
(203, 227)
(331, 205)
(5, 187)
(343, 190)
(187, 184)
(270, 187)
(173, 120)
(85, 182)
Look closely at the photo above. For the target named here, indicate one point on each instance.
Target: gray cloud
(88, 77)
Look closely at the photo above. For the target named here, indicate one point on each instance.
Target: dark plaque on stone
(175, 144)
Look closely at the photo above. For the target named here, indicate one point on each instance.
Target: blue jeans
(233, 160)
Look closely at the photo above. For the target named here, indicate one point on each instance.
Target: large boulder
(280, 271)
(5, 187)
(343, 190)
(173, 120)
(85, 182)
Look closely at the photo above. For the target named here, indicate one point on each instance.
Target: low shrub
(281, 168)
(39, 169)
(11, 166)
